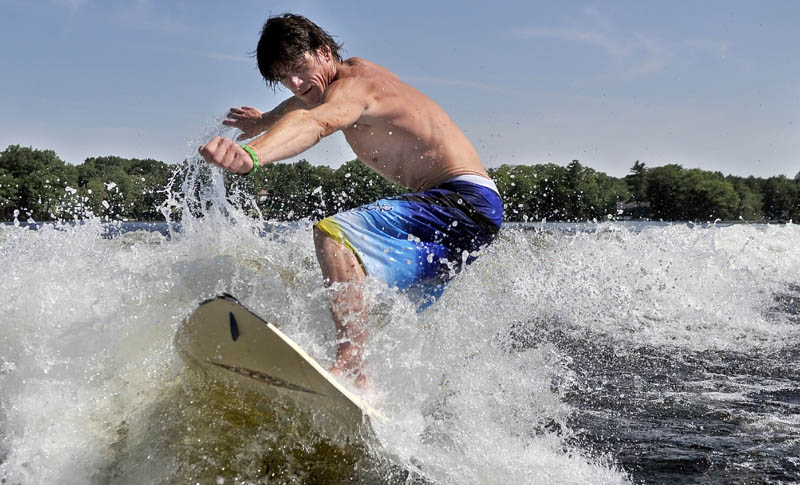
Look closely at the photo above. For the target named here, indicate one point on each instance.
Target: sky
(706, 84)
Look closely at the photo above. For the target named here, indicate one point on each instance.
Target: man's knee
(338, 262)
(324, 243)
(318, 237)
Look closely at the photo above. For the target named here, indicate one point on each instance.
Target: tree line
(36, 184)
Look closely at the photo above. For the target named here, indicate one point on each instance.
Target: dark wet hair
(283, 41)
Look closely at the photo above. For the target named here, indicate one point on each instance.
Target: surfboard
(228, 342)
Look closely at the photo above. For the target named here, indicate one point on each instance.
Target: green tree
(117, 187)
(552, 192)
(40, 181)
(590, 194)
(750, 202)
(781, 199)
(677, 194)
(666, 192)
(531, 192)
(611, 191)
(708, 196)
(9, 190)
(637, 181)
(149, 178)
(289, 191)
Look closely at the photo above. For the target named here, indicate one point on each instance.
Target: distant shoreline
(37, 184)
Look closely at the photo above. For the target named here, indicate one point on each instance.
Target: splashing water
(593, 357)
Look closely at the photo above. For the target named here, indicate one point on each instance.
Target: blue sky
(707, 84)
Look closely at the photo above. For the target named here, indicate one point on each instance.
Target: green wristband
(253, 155)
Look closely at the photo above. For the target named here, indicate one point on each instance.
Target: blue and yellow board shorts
(419, 241)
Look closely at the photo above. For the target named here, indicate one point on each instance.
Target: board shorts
(421, 240)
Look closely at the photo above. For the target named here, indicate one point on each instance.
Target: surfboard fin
(234, 327)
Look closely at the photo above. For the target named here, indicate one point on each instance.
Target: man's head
(284, 41)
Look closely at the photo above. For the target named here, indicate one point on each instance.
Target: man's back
(402, 134)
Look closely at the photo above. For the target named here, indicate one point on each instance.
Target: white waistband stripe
(477, 180)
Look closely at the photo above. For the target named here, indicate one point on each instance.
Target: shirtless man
(419, 239)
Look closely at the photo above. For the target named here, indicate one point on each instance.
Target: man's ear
(324, 52)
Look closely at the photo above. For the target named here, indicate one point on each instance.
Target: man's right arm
(253, 122)
(298, 129)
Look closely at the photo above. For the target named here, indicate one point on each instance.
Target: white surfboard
(230, 343)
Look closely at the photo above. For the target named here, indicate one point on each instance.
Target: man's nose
(295, 83)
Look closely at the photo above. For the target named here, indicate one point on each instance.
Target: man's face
(308, 78)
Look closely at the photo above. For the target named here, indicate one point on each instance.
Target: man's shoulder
(361, 78)
(360, 67)
(357, 73)
(356, 61)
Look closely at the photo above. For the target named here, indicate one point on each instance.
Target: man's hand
(247, 119)
(224, 153)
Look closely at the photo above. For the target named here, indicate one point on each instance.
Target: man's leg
(342, 271)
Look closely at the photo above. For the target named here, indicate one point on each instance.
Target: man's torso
(403, 134)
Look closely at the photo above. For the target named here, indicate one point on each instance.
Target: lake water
(599, 353)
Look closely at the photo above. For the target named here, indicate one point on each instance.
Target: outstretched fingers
(245, 118)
